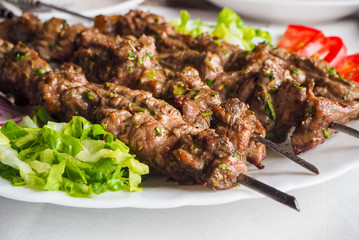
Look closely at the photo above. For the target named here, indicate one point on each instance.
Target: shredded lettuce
(78, 157)
(230, 27)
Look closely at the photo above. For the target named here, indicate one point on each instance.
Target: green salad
(229, 27)
(77, 157)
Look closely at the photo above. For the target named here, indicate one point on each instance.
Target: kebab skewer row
(64, 37)
(163, 139)
(242, 71)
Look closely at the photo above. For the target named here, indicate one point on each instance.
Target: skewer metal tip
(285, 153)
(268, 191)
(345, 129)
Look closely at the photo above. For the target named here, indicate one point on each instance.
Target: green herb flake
(331, 70)
(88, 95)
(297, 86)
(222, 166)
(70, 94)
(159, 132)
(326, 133)
(151, 74)
(268, 108)
(294, 71)
(225, 52)
(64, 24)
(214, 94)
(178, 90)
(141, 110)
(21, 55)
(311, 110)
(51, 46)
(40, 72)
(209, 82)
(207, 114)
(131, 55)
(150, 55)
(269, 75)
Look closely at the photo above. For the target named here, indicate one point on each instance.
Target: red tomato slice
(314, 45)
(349, 67)
(333, 51)
(297, 36)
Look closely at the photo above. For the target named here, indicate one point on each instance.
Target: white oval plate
(337, 155)
(292, 11)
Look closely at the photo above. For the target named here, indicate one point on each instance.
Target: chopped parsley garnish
(209, 82)
(70, 94)
(129, 68)
(225, 52)
(311, 110)
(297, 86)
(40, 72)
(331, 71)
(131, 55)
(51, 46)
(64, 24)
(294, 71)
(269, 75)
(141, 110)
(222, 166)
(150, 55)
(207, 114)
(88, 95)
(159, 132)
(326, 133)
(268, 108)
(178, 90)
(214, 94)
(21, 55)
(151, 74)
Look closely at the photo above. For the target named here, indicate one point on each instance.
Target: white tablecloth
(328, 211)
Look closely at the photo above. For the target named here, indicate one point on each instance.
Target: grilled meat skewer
(152, 128)
(91, 41)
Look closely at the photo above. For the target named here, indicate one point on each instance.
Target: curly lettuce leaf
(229, 27)
(78, 158)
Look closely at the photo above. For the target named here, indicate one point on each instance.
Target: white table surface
(328, 210)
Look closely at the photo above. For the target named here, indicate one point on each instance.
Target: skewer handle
(38, 3)
(269, 191)
(345, 129)
(287, 154)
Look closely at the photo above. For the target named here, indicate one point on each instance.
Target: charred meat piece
(137, 23)
(20, 72)
(153, 129)
(130, 62)
(208, 64)
(53, 40)
(168, 39)
(24, 28)
(321, 112)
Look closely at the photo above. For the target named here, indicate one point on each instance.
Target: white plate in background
(292, 11)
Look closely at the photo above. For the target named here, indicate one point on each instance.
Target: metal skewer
(268, 191)
(287, 154)
(39, 4)
(345, 129)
